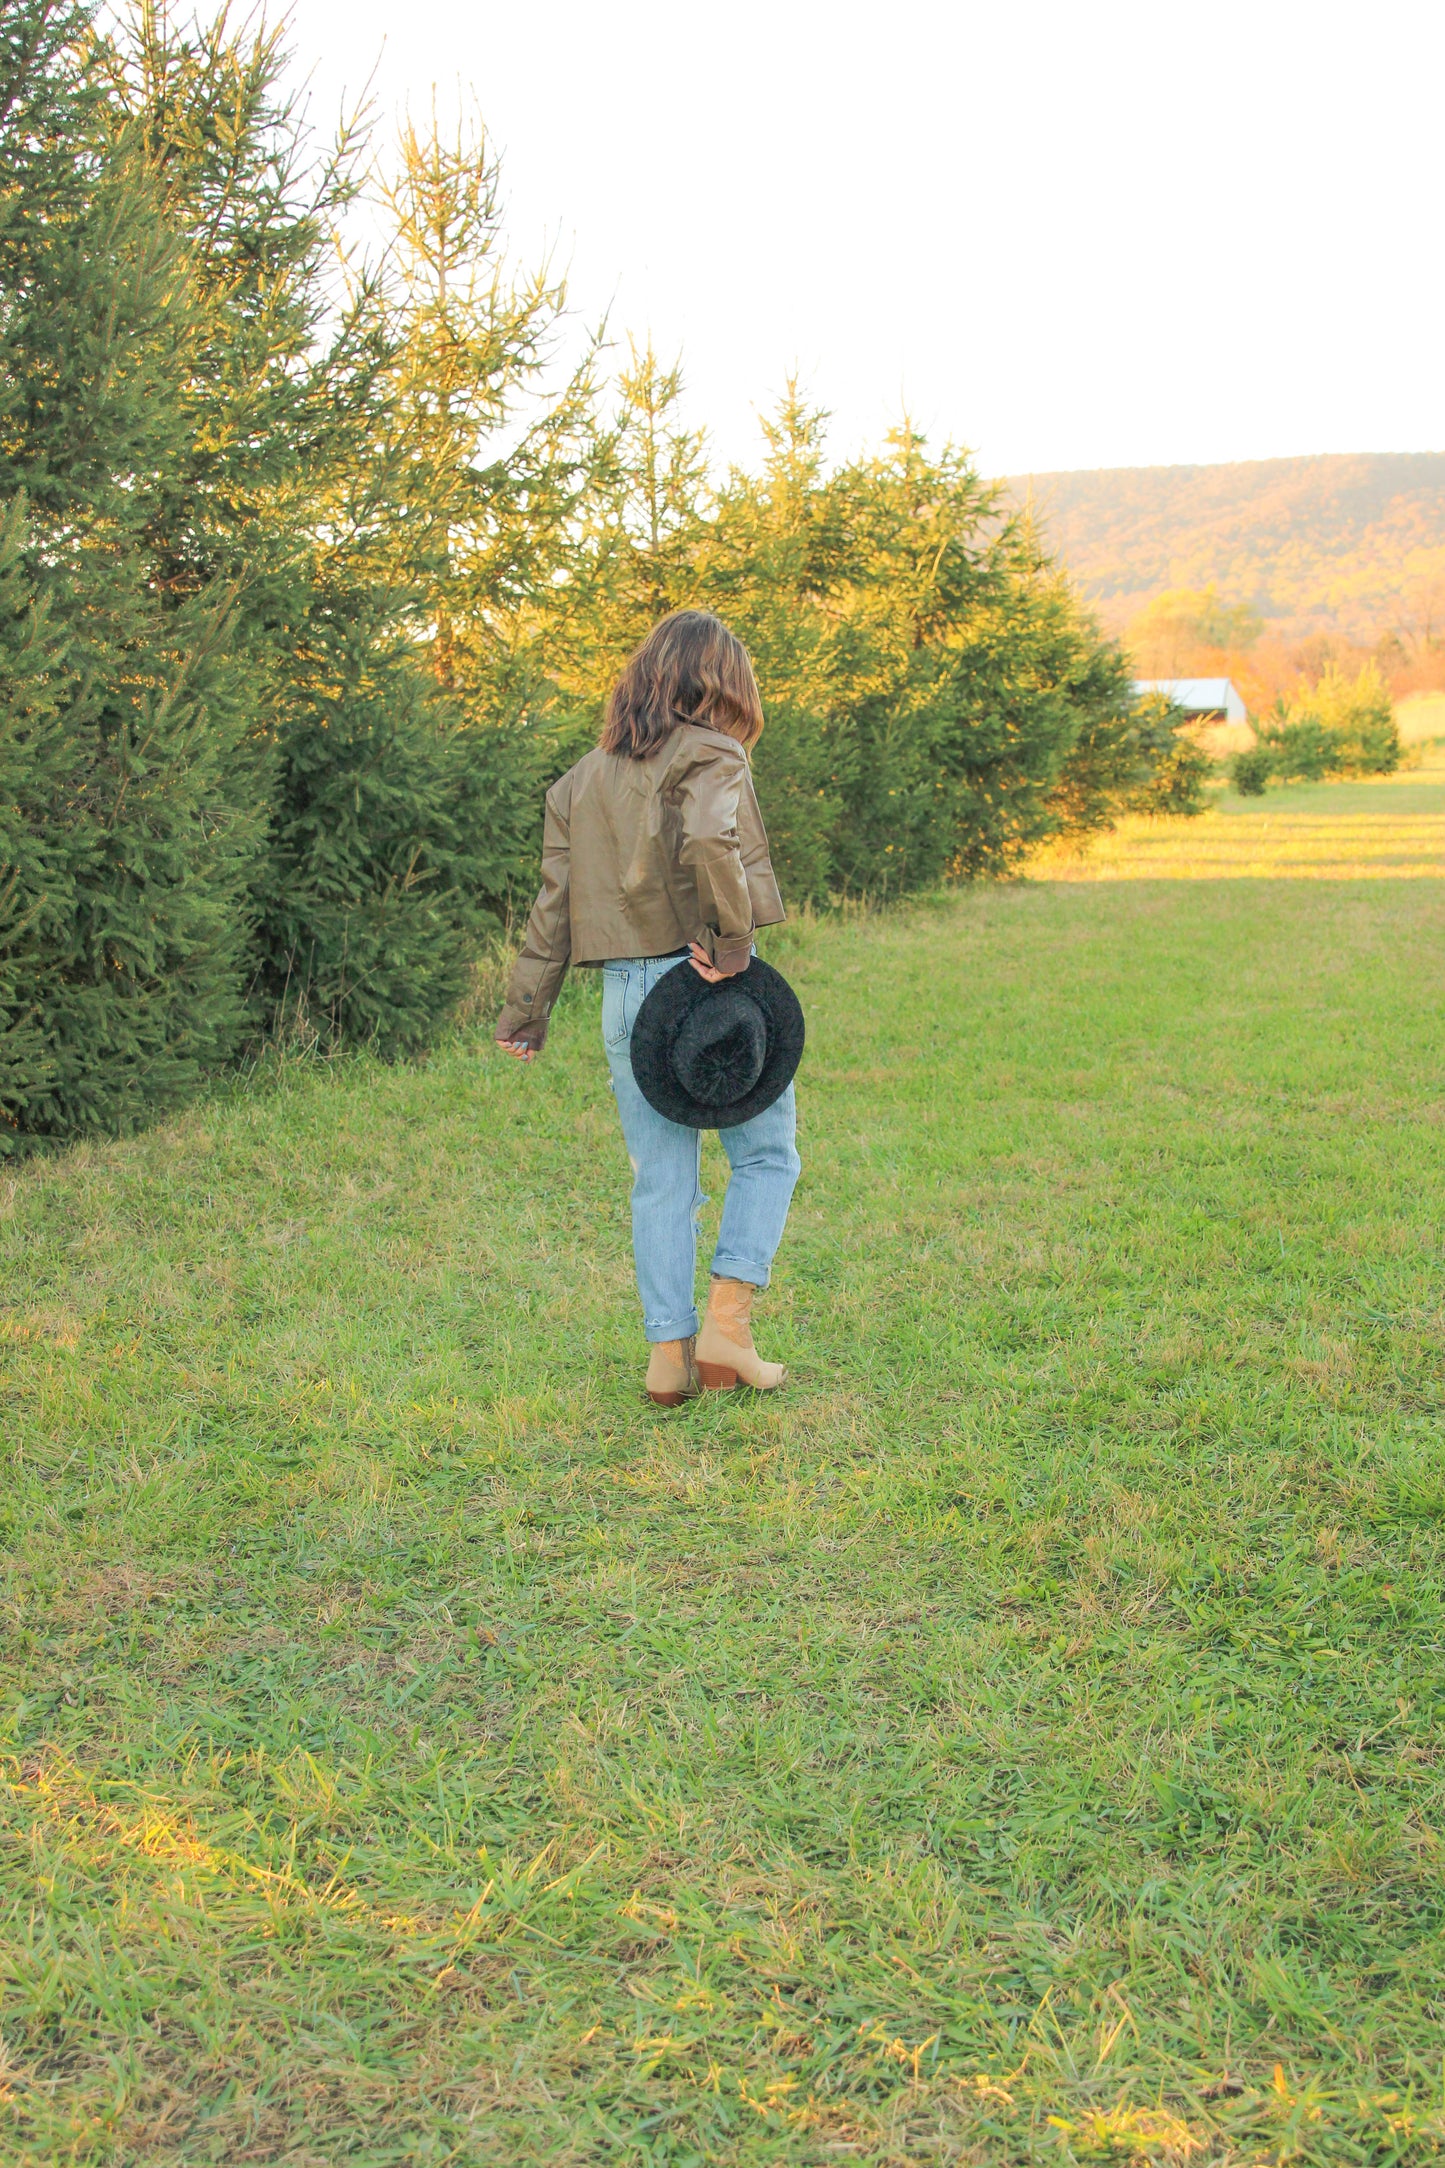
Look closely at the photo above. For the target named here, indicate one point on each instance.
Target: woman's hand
(705, 968)
(525, 1044)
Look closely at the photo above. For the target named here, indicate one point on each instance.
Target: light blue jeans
(667, 1173)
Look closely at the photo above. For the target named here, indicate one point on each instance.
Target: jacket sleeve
(546, 951)
(708, 793)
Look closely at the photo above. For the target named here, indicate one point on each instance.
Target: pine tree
(318, 487)
(775, 564)
(33, 768)
(127, 846)
(498, 444)
(641, 529)
(928, 676)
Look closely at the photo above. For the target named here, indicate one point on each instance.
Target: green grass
(1020, 1742)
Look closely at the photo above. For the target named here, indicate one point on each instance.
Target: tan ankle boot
(725, 1351)
(671, 1373)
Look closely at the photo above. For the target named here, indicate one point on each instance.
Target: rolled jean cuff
(740, 1268)
(670, 1328)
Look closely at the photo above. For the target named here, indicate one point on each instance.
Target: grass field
(1420, 716)
(1020, 1742)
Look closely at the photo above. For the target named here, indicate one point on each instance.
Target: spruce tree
(127, 845)
(370, 472)
(33, 770)
(640, 528)
(928, 675)
(775, 563)
(937, 702)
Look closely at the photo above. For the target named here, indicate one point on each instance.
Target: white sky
(1066, 235)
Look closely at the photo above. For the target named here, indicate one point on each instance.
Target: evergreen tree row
(314, 570)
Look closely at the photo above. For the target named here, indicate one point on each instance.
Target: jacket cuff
(531, 992)
(731, 957)
(515, 1025)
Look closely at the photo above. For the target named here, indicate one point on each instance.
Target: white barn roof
(1198, 696)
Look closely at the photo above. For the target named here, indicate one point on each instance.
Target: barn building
(1204, 700)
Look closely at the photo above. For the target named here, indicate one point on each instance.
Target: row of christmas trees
(316, 562)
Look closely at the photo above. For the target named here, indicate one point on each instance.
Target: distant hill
(1351, 544)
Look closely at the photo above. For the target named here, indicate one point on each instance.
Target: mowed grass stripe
(1389, 827)
(1019, 1741)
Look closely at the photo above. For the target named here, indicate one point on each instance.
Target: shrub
(1176, 783)
(1357, 720)
(395, 828)
(1174, 767)
(1251, 770)
(1301, 750)
(1343, 726)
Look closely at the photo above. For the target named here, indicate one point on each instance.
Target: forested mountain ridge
(1351, 544)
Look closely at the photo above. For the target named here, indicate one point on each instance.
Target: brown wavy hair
(689, 669)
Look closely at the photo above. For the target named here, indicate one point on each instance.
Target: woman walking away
(654, 862)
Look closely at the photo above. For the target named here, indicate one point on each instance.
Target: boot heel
(716, 1377)
(668, 1400)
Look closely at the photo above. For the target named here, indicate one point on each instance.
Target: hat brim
(674, 997)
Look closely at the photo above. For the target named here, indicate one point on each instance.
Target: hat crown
(711, 1054)
(720, 1047)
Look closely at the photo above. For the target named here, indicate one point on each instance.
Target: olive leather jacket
(640, 857)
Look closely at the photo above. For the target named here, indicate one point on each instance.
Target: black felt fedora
(713, 1056)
